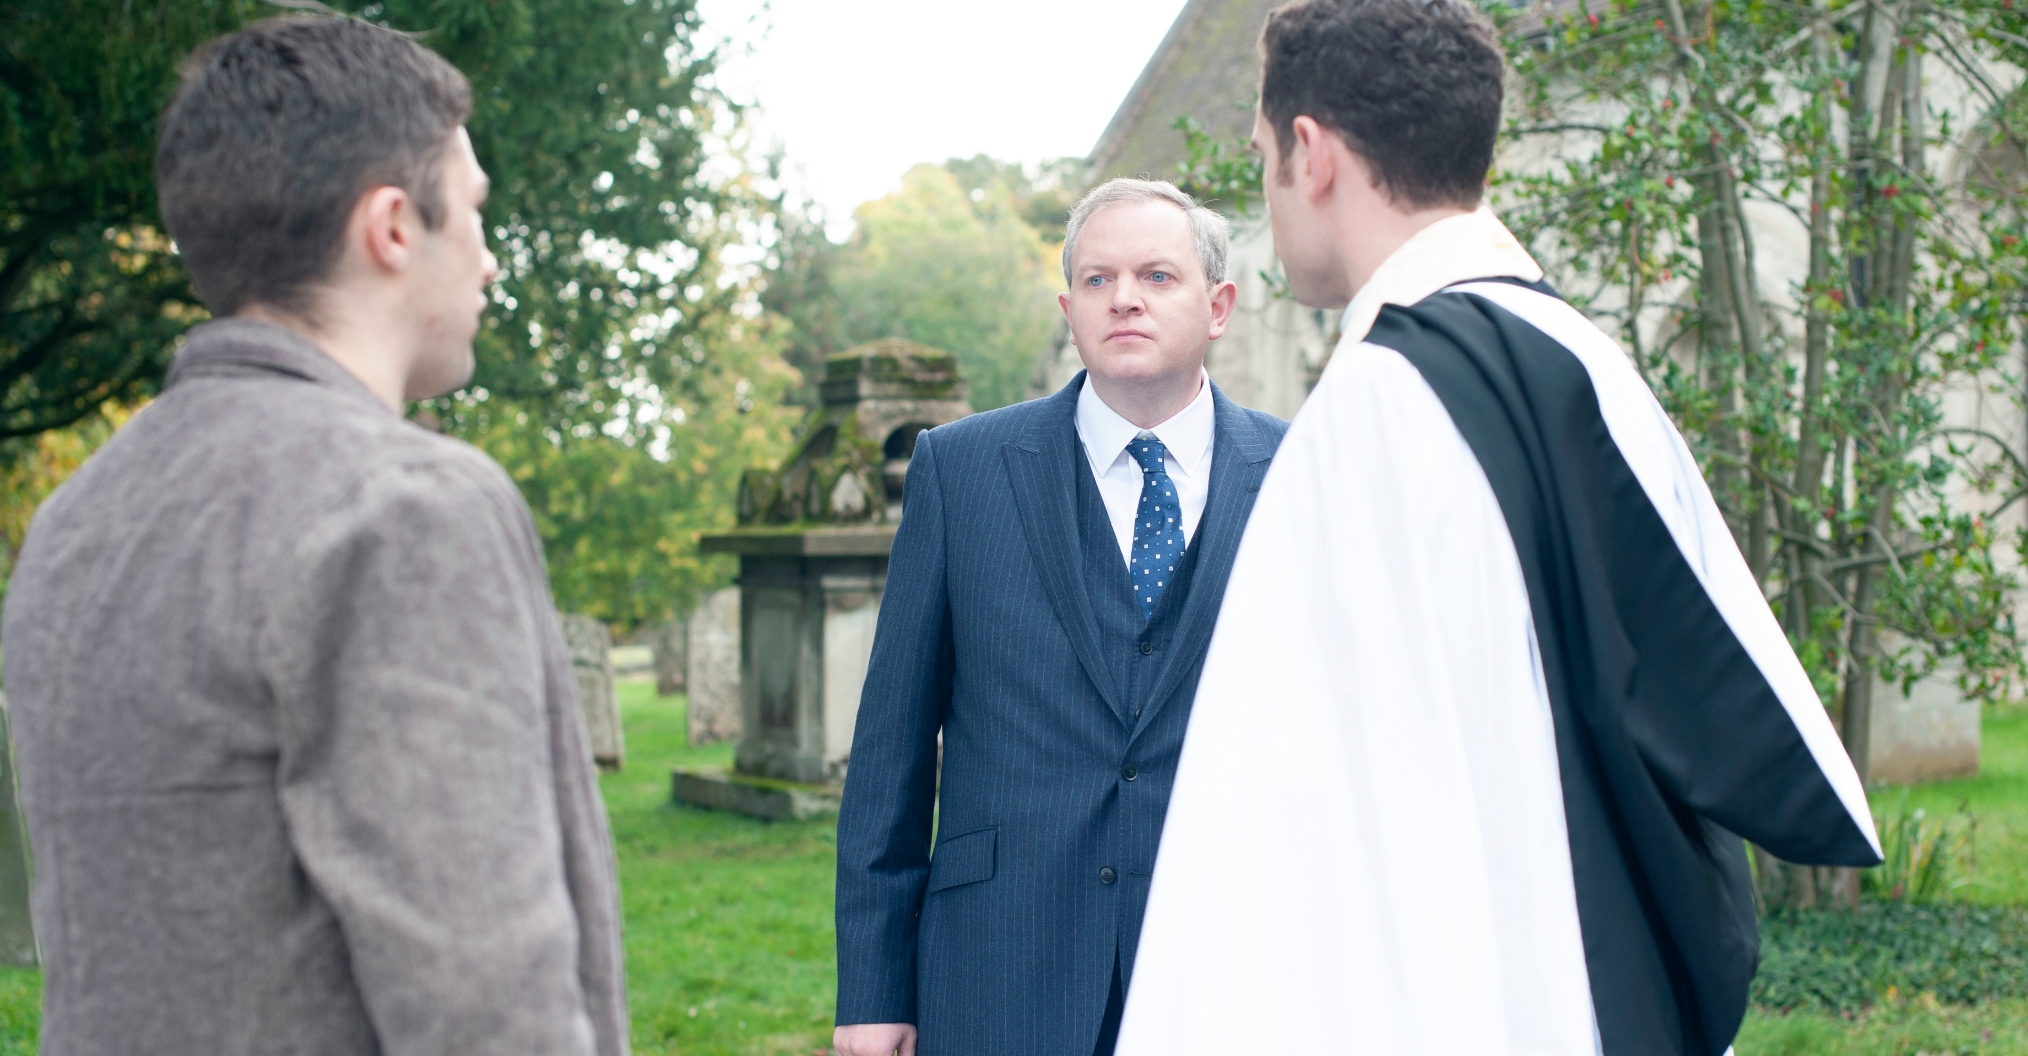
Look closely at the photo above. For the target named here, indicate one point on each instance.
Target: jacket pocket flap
(965, 859)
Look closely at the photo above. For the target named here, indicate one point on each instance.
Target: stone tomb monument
(813, 539)
(591, 659)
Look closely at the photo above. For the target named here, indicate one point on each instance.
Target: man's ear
(1224, 297)
(385, 226)
(1313, 160)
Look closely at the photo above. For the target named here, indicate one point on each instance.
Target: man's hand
(874, 1039)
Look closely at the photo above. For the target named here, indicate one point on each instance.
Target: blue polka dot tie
(1158, 526)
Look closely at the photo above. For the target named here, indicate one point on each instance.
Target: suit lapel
(1240, 457)
(1046, 495)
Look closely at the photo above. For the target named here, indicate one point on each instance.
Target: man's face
(1302, 238)
(1140, 305)
(454, 270)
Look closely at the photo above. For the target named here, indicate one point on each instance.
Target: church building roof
(1207, 68)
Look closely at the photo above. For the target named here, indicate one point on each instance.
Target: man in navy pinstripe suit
(1052, 590)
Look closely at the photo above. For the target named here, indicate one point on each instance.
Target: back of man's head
(275, 132)
(1413, 86)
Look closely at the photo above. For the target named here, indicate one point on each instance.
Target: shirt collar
(1187, 434)
(1452, 250)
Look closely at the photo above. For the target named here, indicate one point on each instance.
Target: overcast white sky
(857, 91)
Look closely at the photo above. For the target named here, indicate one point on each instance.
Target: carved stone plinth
(808, 605)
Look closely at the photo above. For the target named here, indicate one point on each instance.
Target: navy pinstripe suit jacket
(1005, 940)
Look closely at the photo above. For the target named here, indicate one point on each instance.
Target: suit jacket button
(1147, 647)
(1129, 772)
(1107, 876)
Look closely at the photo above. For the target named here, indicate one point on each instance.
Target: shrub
(1925, 859)
(1847, 960)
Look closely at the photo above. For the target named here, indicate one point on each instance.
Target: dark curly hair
(1413, 86)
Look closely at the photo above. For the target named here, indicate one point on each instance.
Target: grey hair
(1208, 230)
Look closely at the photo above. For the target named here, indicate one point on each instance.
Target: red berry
(1889, 191)
(1593, 19)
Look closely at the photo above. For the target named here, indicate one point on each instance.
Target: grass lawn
(1901, 1028)
(729, 940)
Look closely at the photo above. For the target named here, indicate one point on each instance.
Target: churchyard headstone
(713, 668)
(591, 660)
(1930, 733)
(671, 643)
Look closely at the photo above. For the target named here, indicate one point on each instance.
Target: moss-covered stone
(841, 472)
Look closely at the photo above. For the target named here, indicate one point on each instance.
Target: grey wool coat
(298, 740)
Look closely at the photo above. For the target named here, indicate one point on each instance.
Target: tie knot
(1148, 451)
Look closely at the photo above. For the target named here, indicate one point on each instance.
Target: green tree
(1867, 511)
(1041, 194)
(617, 334)
(620, 520)
(91, 298)
(955, 259)
(625, 376)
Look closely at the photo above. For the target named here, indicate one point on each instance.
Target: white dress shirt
(1186, 436)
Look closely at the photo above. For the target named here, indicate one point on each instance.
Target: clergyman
(1494, 701)
(1051, 591)
(299, 748)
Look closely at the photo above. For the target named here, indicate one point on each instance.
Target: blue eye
(1158, 276)
(1095, 280)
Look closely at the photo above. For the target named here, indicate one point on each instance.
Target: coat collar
(1470, 246)
(235, 345)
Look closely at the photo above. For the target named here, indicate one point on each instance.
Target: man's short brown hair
(275, 132)
(1413, 86)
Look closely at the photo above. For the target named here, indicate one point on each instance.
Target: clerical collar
(1452, 250)
(1187, 434)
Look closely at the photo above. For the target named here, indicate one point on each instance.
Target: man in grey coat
(300, 753)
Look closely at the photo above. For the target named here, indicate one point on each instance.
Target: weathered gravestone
(813, 538)
(713, 676)
(1930, 733)
(17, 932)
(591, 659)
(671, 645)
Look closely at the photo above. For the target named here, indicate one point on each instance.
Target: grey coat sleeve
(406, 654)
